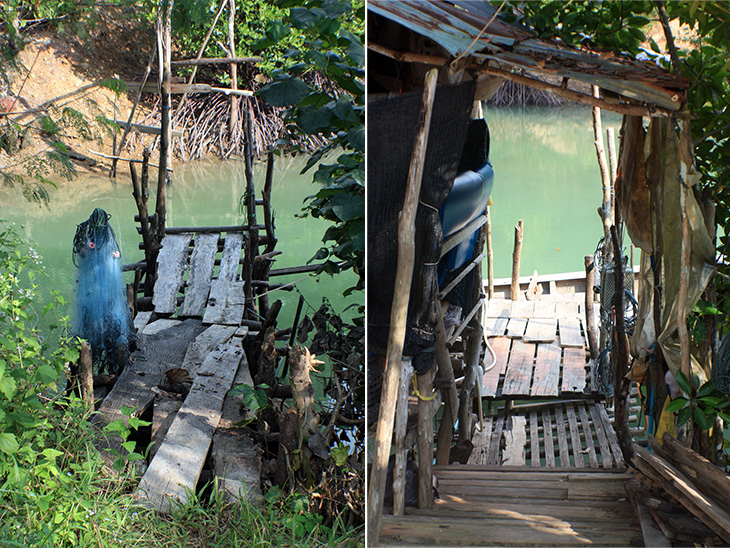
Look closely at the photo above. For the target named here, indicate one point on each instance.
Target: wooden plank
(547, 428)
(523, 309)
(518, 377)
(575, 436)
(567, 310)
(231, 256)
(516, 328)
(180, 459)
(606, 457)
(163, 413)
(570, 334)
(497, 308)
(618, 456)
(495, 441)
(201, 273)
(562, 437)
(592, 458)
(225, 303)
(546, 378)
(544, 309)
(134, 388)
(540, 330)
(682, 489)
(574, 370)
(481, 440)
(203, 345)
(159, 326)
(495, 327)
(534, 440)
(142, 319)
(171, 264)
(515, 438)
(490, 380)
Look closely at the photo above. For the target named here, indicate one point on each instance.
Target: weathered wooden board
(495, 327)
(592, 458)
(575, 440)
(547, 370)
(133, 389)
(523, 309)
(163, 413)
(515, 439)
(547, 427)
(159, 326)
(171, 264)
(574, 370)
(544, 309)
(490, 380)
(605, 448)
(498, 307)
(495, 441)
(142, 319)
(618, 456)
(534, 441)
(225, 303)
(201, 272)
(181, 457)
(481, 440)
(567, 310)
(540, 330)
(516, 328)
(518, 377)
(570, 334)
(562, 437)
(231, 256)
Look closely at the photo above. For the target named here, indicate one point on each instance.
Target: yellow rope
(415, 389)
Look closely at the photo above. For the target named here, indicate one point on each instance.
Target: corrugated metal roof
(456, 24)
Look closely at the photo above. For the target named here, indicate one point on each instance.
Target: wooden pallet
(481, 505)
(569, 434)
(187, 269)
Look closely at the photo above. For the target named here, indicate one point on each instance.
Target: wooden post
(685, 259)
(399, 312)
(621, 359)
(233, 120)
(446, 372)
(401, 425)
(301, 363)
(261, 268)
(425, 439)
(605, 210)
(252, 242)
(164, 46)
(590, 325)
(613, 169)
(87, 374)
(514, 293)
(490, 257)
(472, 351)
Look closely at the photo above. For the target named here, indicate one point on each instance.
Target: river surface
(202, 194)
(546, 173)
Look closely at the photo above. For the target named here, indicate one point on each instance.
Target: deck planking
(202, 262)
(171, 265)
(518, 377)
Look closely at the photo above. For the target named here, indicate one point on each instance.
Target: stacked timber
(681, 497)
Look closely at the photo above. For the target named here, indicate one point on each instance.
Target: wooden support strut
(399, 312)
(516, 254)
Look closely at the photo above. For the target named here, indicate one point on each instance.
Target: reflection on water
(546, 173)
(202, 194)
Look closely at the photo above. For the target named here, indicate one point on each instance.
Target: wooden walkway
(540, 349)
(483, 506)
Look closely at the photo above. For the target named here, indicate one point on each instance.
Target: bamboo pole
(514, 293)
(217, 60)
(589, 304)
(425, 439)
(621, 359)
(399, 312)
(399, 450)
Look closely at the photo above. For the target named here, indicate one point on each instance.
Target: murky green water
(546, 173)
(202, 194)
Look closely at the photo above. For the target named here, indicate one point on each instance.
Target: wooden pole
(621, 359)
(233, 120)
(399, 312)
(164, 46)
(401, 426)
(446, 372)
(87, 374)
(514, 293)
(613, 169)
(490, 257)
(590, 325)
(605, 210)
(425, 439)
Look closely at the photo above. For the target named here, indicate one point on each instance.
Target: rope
(415, 389)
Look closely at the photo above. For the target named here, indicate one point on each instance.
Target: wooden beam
(176, 89)
(218, 61)
(150, 130)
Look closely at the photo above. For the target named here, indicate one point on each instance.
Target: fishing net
(102, 315)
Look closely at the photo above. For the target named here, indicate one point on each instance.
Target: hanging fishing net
(102, 315)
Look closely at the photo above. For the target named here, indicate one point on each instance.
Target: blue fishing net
(102, 315)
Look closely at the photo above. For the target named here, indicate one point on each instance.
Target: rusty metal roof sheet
(459, 27)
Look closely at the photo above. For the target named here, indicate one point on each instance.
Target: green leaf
(8, 387)
(676, 404)
(339, 454)
(285, 91)
(703, 420)
(706, 389)
(683, 382)
(8, 443)
(683, 416)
